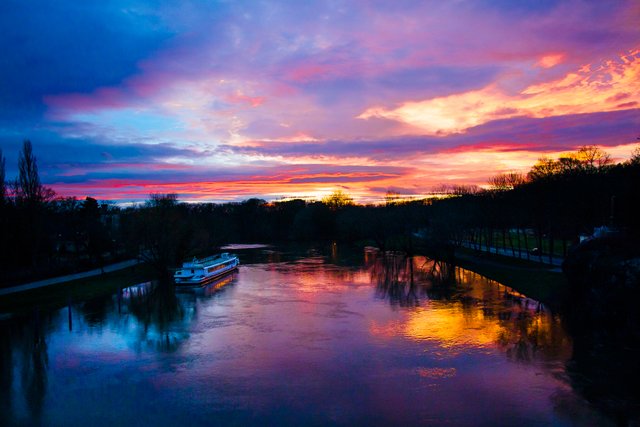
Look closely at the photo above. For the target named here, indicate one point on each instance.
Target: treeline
(44, 235)
(40, 234)
(555, 203)
(165, 231)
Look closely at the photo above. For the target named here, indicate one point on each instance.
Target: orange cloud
(586, 91)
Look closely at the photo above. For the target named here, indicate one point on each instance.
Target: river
(324, 336)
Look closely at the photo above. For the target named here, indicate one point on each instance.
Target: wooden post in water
(69, 313)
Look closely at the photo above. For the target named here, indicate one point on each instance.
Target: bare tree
(3, 186)
(457, 189)
(392, 197)
(593, 157)
(544, 168)
(507, 181)
(338, 200)
(32, 201)
(29, 189)
(635, 156)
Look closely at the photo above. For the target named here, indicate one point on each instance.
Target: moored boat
(198, 272)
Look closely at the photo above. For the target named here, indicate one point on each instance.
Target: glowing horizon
(223, 102)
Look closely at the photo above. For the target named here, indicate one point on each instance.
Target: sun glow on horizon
(449, 167)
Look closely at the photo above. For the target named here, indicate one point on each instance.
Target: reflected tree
(157, 308)
(442, 282)
(34, 368)
(529, 333)
(24, 352)
(394, 277)
(96, 310)
(6, 374)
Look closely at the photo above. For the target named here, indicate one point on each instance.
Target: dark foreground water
(296, 338)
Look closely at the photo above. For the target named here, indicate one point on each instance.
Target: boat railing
(200, 261)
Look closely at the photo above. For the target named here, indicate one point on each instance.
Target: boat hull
(210, 287)
(208, 279)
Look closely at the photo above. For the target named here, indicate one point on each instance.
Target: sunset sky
(226, 100)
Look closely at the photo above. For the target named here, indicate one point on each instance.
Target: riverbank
(69, 277)
(544, 284)
(59, 294)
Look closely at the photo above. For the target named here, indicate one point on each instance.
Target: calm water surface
(295, 338)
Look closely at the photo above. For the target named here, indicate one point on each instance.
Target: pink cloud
(551, 60)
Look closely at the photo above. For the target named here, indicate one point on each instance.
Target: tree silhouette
(161, 231)
(593, 157)
(29, 189)
(507, 181)
(543, 169)
(31, 199)
(338, 200)
(635, 157)
(3, 186)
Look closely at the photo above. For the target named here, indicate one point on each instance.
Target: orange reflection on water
(452, 326)
(458, 309)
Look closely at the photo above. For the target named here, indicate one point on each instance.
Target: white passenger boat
(200, 271)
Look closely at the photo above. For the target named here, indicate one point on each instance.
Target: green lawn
(501, 242)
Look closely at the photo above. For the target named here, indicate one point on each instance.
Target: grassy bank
(58, 295)
(543, 284)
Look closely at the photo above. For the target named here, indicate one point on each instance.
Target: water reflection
(158, 310)
(394, 276)
(95, 310)
(298, 338)
(24, 363)
(460, 309)
(151, 317)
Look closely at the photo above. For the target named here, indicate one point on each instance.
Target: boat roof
(208, 261)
